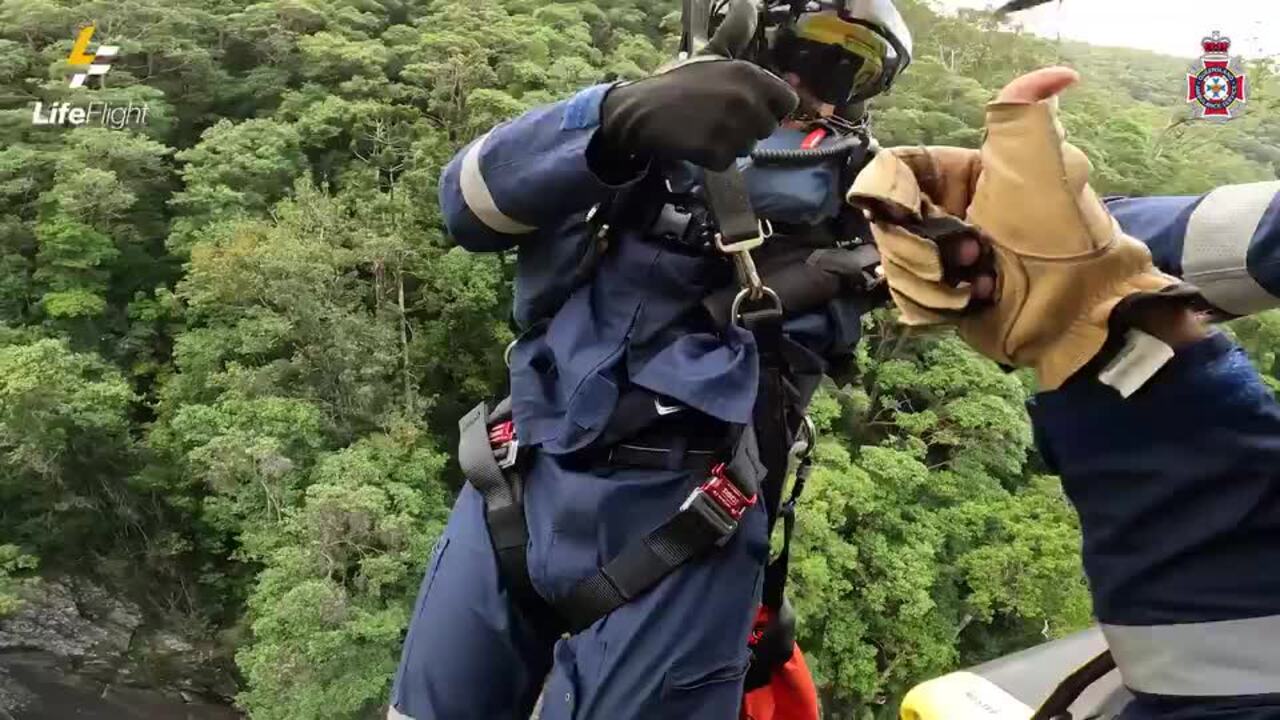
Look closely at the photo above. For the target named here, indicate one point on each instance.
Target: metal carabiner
(810, 438)
(744, 293)
(765, 232)
(744, 264)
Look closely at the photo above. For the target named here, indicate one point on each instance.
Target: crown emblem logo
(1216, 45)
(1216, 86)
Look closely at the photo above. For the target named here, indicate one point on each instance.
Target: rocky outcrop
(75, 649)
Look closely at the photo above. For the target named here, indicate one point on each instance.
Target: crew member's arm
(1227, 242)
(563, 158)
(1174, 463)
(527, 174)
(1178, 491)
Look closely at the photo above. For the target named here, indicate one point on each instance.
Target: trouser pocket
(706, 692)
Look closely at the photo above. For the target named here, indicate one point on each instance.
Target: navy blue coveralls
(1178, 487)
(679, 651)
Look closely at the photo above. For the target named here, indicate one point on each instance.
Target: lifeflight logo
(98, 62)
(97, 112)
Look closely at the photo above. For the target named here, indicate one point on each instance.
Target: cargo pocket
(424, 592)
(704, 692)
(433, 569)
(412, 660)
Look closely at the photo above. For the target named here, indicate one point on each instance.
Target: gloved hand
(1061, 262)
(707, 111)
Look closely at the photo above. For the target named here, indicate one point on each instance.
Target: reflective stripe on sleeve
(478, 198)
(1224, 658)
(394, 714)
(1216, 246)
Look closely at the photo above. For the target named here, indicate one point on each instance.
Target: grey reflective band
(394, 714)
(476, 194)
(1216, 245)
(1230, 657)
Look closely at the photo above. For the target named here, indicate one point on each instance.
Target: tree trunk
(404, 342)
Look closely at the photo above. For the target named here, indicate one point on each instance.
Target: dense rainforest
(234, 339)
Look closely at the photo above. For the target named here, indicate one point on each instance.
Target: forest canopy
(235, 340)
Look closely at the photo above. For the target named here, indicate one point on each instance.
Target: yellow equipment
(1015, 686)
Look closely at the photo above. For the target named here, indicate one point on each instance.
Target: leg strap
(489, 453)
(706, 520)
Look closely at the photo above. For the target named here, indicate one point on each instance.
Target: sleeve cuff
(1210, 380)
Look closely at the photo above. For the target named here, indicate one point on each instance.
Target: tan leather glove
(1062, 263)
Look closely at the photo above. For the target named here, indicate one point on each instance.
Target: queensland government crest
(1216, 85)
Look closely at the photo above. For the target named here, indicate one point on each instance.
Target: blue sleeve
(1226, 242)
(1177, 488)
(524, 175)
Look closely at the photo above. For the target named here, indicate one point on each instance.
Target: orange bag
(790, 694)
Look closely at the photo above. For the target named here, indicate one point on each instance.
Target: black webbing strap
(769, 415)
(476, 458)
(776, 643)
(637, 568)
(775, 575)
(730, 202)
(1058, 706)
(697, 462)
(698, 527)
(504, 514)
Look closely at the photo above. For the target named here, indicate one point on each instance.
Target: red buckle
(719, 502)
(502, 434)
(503, 442)
(725, 494)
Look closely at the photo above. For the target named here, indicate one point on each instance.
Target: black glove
(707, 112)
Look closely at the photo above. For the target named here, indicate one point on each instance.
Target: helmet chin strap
(811, 110)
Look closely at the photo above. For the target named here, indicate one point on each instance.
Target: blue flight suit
(1178, 487)
(679, 651)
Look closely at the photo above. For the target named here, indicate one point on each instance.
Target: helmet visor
(838, 61)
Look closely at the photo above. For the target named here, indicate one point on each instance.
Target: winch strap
(730, 202)
(1059, 703)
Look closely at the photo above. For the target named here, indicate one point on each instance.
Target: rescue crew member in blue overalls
(1166, 438)
(634, 378)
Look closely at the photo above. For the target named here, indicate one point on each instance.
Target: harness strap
(775, 576)
(706, 520)
(488, 451)
(1058, 706)
(479, 466)
(773, 641)
(698, 462)
(773, 400)
(730, 201)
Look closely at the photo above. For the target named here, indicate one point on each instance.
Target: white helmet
(845, 51)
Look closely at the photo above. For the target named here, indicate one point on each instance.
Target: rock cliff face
(76, 650)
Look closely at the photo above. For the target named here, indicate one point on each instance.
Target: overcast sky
(1173, 27)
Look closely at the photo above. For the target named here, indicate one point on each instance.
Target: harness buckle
(719, 502)
(505, 444)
